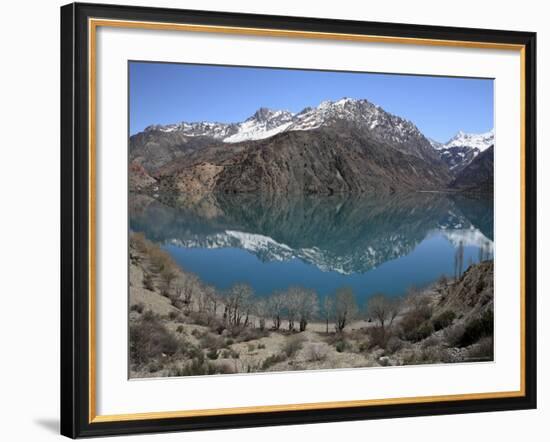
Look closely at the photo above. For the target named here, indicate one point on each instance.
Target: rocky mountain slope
(477, 176)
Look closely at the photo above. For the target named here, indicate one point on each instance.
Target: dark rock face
(458, 157)
(478, 176)
(154, 148)
(327, 161)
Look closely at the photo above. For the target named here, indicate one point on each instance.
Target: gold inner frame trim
(93, 24)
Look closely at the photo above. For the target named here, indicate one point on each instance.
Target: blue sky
(164, 93)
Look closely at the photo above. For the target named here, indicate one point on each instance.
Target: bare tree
(211, 299)
(238, 304)
(345, 307)
(327, 309)
(291, 304)
(383, 309)
(308, 306)
(167, 276)
(185, 290)
(261, 310)
(275, 307)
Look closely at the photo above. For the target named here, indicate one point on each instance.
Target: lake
(372, 244)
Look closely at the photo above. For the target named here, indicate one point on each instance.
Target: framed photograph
(279, 220)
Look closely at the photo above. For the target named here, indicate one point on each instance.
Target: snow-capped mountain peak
(478, 141)
(461, 149)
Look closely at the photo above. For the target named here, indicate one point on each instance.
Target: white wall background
(29, 220)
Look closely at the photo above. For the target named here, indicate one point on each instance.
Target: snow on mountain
(266, 123)
(475, 141)
(461, 149)
(436, 144)
(263, 124)
(197, 129)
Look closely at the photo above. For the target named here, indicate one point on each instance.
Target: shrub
(377, 338)
(210, 341)
(454, 334)
(483, 350)
(137, 307)
(414, 323)
(229, 341)
(430, 355)
(138, 240)
(148, 282)
(261, 346)
(212, 354)
(431, 341)
(443, 320)
(272, 360)
(419, 333)
(173, 315)
(393, 345)
(202, 318)
(199, 366)
(293, 345)
(150, 339)
(155, 367)
(246, 334)
(251, 347)
(316, 352)
(160, 260)
(422, 332)
(226, 353)
(179, 329)
(190, 351)
(341, 346)
(477, 328)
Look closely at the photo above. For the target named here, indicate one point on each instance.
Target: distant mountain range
(344, 146)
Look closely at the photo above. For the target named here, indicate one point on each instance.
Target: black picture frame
(75, 220)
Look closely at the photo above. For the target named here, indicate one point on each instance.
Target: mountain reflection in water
(322, 242)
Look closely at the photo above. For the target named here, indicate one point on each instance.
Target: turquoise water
(373, 245)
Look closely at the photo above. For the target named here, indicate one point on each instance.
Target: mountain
(477, 176)
(461, 150)
(339, 146)
(481, 142)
